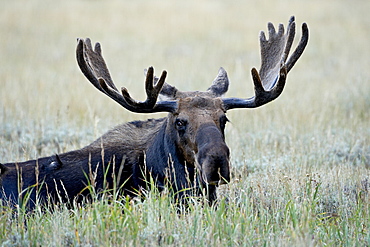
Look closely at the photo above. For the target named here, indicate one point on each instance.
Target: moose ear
(167, 92)
(220, 84)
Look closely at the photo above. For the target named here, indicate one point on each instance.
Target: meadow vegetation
(301, 164)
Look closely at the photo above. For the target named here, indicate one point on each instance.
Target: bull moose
(185, 151)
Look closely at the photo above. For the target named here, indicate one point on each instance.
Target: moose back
(185, 151)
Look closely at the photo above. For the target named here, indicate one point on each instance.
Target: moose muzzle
(213, 155)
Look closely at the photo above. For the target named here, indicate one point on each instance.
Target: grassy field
(301, 165)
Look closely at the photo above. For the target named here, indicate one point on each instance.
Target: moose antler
(269, 82)
(93, 66)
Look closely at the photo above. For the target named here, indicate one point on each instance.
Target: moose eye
(180, 124)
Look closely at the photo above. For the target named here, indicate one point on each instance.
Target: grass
(300, 164)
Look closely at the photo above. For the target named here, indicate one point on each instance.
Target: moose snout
(213, 157)
(215, 169)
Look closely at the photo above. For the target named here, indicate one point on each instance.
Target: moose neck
(163, 155)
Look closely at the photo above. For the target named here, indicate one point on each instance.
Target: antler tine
(168, 91)
(152, 92)
(300, 48)
(93, 66)
(269, 82)
(94, 61)
(86, 70)
(290, 38)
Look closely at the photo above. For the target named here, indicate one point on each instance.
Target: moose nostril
(215, 171)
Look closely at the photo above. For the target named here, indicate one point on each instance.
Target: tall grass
(300, 164)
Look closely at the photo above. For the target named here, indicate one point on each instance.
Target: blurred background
(47, 106)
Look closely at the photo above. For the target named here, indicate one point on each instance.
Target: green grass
(300, 164)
